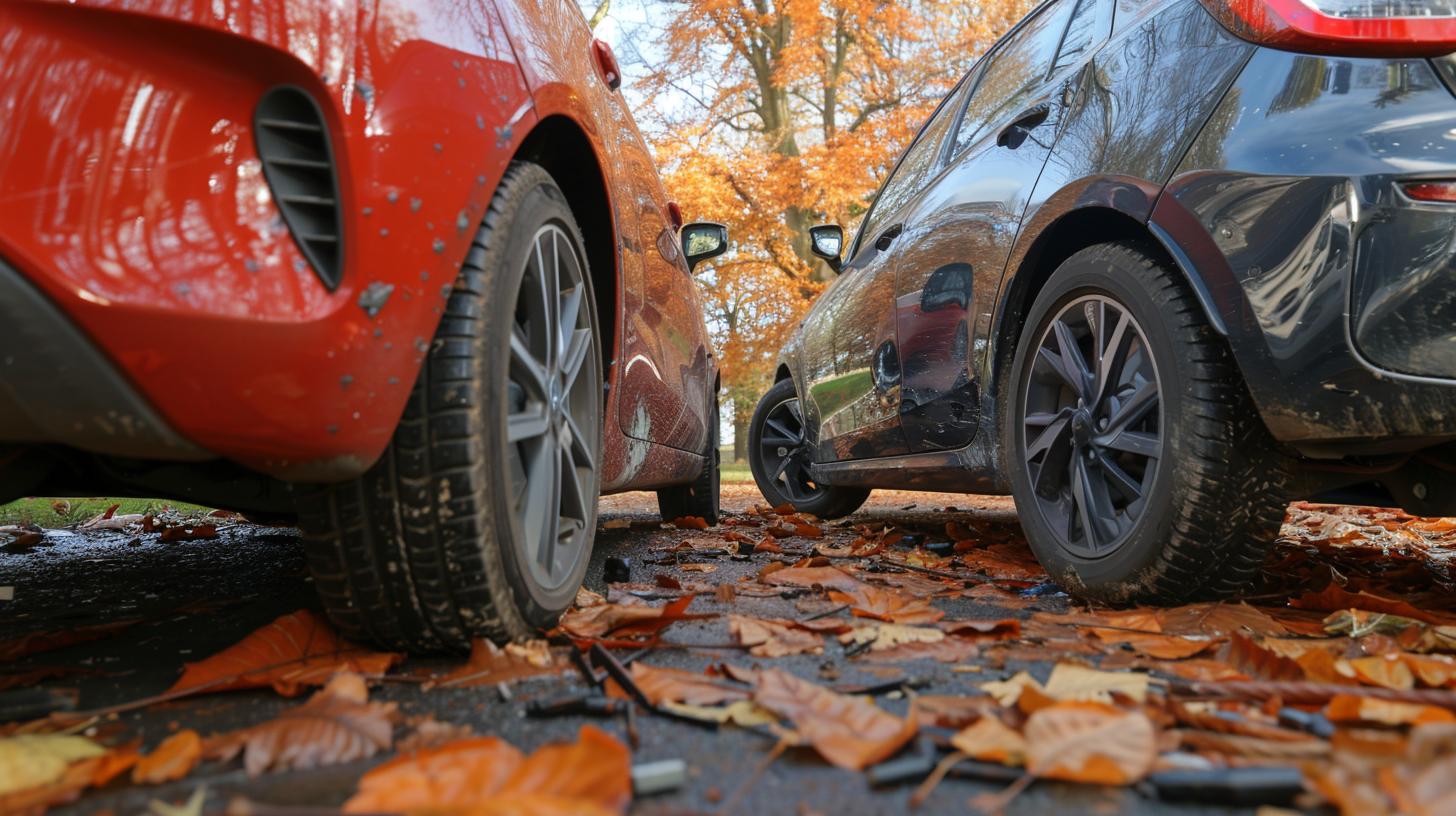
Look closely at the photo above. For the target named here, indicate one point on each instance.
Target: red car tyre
(478, 519)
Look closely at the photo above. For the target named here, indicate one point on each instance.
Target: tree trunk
(742, 414)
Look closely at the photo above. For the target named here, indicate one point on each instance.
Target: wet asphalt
(179, 602)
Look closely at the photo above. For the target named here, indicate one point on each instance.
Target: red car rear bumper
(133, 200)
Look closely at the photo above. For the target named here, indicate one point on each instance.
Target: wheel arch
(1070, 233)
(562, 147)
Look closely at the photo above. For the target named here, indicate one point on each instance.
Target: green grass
(735, 473)
(43, 511)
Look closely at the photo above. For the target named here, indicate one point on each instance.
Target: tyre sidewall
(1122, 573)
(541, 204)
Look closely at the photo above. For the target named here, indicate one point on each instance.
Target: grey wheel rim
(553, 413)
(1092, 425)
(784, 454)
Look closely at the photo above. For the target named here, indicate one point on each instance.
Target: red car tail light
(1441, 191)
(1356, 28)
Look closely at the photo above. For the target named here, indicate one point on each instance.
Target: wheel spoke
(1134, 408)
(1071, 363)
(783, 430)
(529, 423)
(1056, 432)
(576, 354)
(547, 292)
(1094, 506)
(1134, 442)
(574, 501)
(777, 442)
(1112, 355)
(1130, 489)
(581, 454)
(526, 370)
(1043, 419)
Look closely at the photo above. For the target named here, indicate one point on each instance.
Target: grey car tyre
(479, 518)
(780, 455)
(1141, 469)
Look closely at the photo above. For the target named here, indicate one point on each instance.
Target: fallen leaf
(1077, 683)
(744, 713)
(37, 642)
(662, 685)
(872, 602)
(990, 740)
(1005, 629)
(173, 759)
(429, 732)
(690, 523)
(490, 664)
(1334, 598)
(849, 732)
(189, 532)
(36, 760)
(1387, 671)
(116, 762)
(338, 724)
(1352, 708)
(952, 711)
(604, 619)
(1007, 692)
(617, 524)
(1259, 662)
(767, 637)
(889, 635)
(826, 577)
(1090, 742)
(295, 651)
(589, 777)
(703, 568)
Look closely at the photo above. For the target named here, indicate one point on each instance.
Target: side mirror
(827, 241)
(702, 240)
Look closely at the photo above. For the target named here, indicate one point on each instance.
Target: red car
(402, 271)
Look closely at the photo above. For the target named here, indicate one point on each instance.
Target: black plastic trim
(298, 162)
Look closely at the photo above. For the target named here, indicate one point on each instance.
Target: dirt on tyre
(1141, 470)
(701, 497)
(479, 518)
(780, 457)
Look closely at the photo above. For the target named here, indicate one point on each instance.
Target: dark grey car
(1154, 267)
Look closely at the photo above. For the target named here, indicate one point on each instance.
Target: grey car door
(960, 229)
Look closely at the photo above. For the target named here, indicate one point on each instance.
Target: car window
(914, 167)
(1015, 71)
(1081, 32)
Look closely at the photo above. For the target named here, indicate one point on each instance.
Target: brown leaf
(490, 664)
(690, 523)
(336, 725)
(676, 685)
(948, 711)
(872, 602)
(1090, 742)
(173, 759)
(990, 740)
(1004, 629)
(37, 642)
(488, 776)
(767, 637)
(1218, 620)
(1352, 708)
(826, 577)
(604, 619)
(1387, 671)
(1334, 598)
(293, 652)
(849, 732)
(1260, 663)
(189, 532)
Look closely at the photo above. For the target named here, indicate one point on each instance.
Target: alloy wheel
(1092, 425)
(553, 422)
(784, 454)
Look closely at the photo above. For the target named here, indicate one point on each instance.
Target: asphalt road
(194, 598)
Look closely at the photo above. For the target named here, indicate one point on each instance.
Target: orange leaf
(849, 732)
(872, 602)
(1334, 598)
(173, 759)
(1256, 661)
(297, 650)
(590, 777)
(604, 619)
(690, 523)
(336, 725)
(676, 685)
(1353, 708)
(490, 664)
(1386, 671)
(827, 577)
(116, 762)
(768, 637)
(990, 740)
(1090, 742)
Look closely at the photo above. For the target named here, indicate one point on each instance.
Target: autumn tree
(774, 115)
